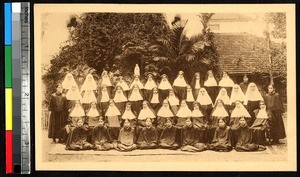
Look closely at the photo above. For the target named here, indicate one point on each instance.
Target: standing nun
(58, 114)
(146, 112)
(274, 104)
(164, 87)
(112, 115)
(163, 113)
(252, 99)
(93, 115)
(218, 112)
(68, 82)
(179, 85)
(106, 80)
(137, 81)
(103, 98)
(150, 84)
(225, 98)
(136, 98)
(211, 85)
(88, 98)
(189, 96)
(196, 84)
(226, 82)
(173, 100)
(129, 114)
(119, 98)
(236, 94)
(205, 102)
(262, 124)
(155, 99)
(72, 95)
(89, 84)
(124, 85)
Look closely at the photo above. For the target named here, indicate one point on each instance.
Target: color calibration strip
(17, 87)
(8, 86)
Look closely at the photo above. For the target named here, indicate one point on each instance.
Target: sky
(56, 33)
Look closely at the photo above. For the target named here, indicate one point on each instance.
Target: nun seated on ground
(127, 138)
(77, 139)
(167, 138)
(147, 138)
(100, 137)
(190, 139)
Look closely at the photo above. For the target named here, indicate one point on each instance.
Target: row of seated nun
(206, 125)
(188, 138)
(106, 87)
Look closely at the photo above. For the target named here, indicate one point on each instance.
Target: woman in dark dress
(101, 138)
(127, 138)
(274, 104)
(222, 138)
(167, 138)
(196, 84)
(58, 114)
(147, 138)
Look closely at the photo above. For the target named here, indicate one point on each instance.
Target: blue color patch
(7, 23)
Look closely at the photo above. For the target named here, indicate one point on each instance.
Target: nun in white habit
(103, 98)
(226, 82)
(137, 81)
(93, 115)
(72, 95)
(173, 100)
(164, 87)
(206, 103)
(129, 114)
(237, 94)
(76, 113)
(146, 112)
(88, 98)
(252, 99)
(120, 98)
(211, 85)
(196, 84)
(106, 80)
(136, 98)
(183, 113)
(150, 84)
(189, 96)
(112, 115)
(68, 82)
(89, 84)
(163, 114)
(223, 95)
(179, 85)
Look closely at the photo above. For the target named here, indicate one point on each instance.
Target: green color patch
(8, 66)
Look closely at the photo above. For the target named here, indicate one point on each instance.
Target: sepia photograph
(165, 87)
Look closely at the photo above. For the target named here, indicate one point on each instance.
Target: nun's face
(225, 75)
(136, 79)
(183, 104)
(188, 122)
(119, 90)
(180, 76)
(188, 89)
(93, 105)
(77, 104)
(223, 92)
(171, 93)
(245, 79)
(165, 104)
(128, 107)
(238, 104)
(150, 78)
(164, 78)
(219, 103)
(145, 106)
(89, 77)
(210, 74)
(196, 106)
(111, 103)
(242, 122)
(168, 123)
(104, 89)
(197, 76)
(69, 77)
(202, 92)
(252, 87)
(236, 88)
(105, 75)
(155, 91)
(135, 88)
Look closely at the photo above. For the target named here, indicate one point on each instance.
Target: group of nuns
(192, 117)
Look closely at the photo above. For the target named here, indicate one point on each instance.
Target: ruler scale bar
(25, 88)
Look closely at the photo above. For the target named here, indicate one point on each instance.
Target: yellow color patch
(8, 109)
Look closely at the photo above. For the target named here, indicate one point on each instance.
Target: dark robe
(213, 124)
(58, 117)
(167, 139)
(260, 126)
(201, 123)
(244, 86)
(244, 140)
(147, 138)
(190, 140)
(251, 106)
(234, 125)
(274, 104)
(101, 139)
(212, 92)
(126, 139)
(77, 139)
(114, 124)
(222, 139)
(180, 92)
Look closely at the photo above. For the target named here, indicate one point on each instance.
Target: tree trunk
(269, 54)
